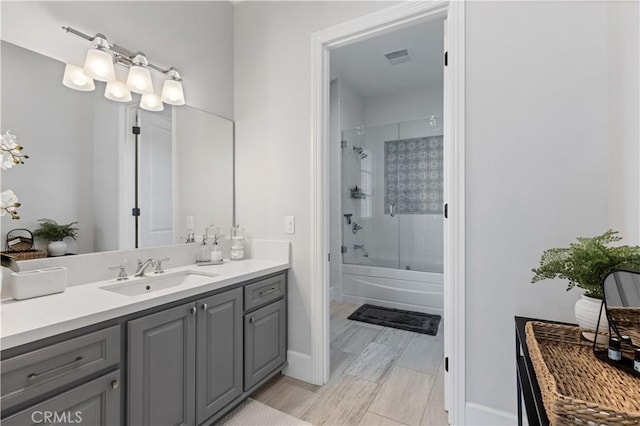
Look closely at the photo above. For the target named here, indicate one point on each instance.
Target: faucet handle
(122, 274)
(158, 262)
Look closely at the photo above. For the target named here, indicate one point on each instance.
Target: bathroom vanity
(183, 355)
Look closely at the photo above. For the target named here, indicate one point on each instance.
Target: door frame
(377, 23)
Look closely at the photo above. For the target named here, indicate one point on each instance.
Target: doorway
(382, 22)
(146, 179)
(386, 221)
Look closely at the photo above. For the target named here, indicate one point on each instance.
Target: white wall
(536, 169)
(624, 118)
(193, 36)
(272, 113)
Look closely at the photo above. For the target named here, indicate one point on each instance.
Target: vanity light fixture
(99, 65)
(99, 62)
(139, 78)
(75, 78)
(151, 102)
(117, 91)
(172, 92)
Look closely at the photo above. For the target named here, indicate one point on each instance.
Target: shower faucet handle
(348, 217)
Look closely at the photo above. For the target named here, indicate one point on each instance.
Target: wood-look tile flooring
(379, 376)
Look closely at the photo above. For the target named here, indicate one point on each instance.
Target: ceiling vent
(398, 57)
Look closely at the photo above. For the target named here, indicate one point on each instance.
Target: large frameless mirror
(86, 165)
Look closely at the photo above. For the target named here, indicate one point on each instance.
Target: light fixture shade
(172, 93)
(151, 102)
(75, 78)
(117, 91)
(139, 80)
(99, 65)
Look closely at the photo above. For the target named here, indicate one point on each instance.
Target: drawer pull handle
(34, 376)
(271, 290)
(251, 320)
(204, 307)
(114, 384)
(193, 310)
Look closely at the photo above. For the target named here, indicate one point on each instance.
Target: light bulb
(117, 91)
(151, 102)
(172, 93)
(99, 65)
(139, 80)
(75, 78)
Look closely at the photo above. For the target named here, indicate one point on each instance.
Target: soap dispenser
(237, 243)
(203, 252)
(216, 251)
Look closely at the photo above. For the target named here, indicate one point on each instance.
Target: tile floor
(379, 376)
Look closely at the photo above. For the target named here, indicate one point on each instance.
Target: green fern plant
(50, 230)
(587, 262)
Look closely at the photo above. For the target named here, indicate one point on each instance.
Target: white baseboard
(299, 366)
(481, 415)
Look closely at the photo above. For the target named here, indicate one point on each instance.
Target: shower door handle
(392, 209)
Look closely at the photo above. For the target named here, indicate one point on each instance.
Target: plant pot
(587, 310)
(57, 248)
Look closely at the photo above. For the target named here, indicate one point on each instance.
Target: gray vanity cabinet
(265, 341)
(219, 352)
(96, 403)
(161, 369)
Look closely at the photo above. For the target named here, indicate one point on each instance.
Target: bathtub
(369, 281)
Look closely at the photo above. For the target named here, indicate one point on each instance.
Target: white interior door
(155, 195)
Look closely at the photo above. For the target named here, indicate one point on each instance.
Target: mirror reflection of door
(155, 200)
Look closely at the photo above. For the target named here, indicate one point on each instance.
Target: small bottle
(216, 251)
(615, 351)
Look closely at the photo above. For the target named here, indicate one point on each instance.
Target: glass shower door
(392, 189)
(370, 231)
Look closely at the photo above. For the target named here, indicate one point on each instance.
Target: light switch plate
(289, 225)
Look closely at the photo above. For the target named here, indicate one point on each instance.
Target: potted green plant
(584, 264)
(55, 233)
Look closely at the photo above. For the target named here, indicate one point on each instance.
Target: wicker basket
(576, 387)
(26, 255)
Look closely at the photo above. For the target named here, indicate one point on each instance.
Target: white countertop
(25, 321)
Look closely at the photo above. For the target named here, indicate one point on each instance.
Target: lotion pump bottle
(216, 251)
(203, 254)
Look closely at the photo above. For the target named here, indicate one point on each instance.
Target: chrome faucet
(142, 266)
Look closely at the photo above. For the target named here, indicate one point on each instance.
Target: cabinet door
(96, 403)
(265, 342)
(219, 352)
(161, 368)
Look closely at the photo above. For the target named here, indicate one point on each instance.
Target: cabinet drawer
(31, 374)
(96, 403)
(263, 292)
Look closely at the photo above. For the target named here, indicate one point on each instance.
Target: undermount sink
(138, 286)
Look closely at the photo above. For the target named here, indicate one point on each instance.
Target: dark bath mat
(397, 318)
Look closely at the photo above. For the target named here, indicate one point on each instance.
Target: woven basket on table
(576, 387)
